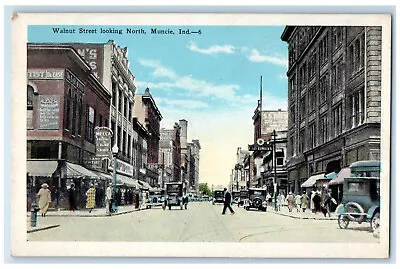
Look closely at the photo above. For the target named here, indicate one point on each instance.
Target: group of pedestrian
(322, 203)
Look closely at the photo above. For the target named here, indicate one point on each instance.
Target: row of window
(121, 102)
(330, 125)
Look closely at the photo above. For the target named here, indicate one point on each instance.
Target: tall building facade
(334, 90)
(194, 167)
(110, 65)
(170, 153)
(148, 114)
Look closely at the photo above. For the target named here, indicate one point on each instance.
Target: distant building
(170, 153)
(265, 122)
(194, 165)
(334, 98)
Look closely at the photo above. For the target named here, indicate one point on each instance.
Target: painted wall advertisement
(49, 110)
(93, 55)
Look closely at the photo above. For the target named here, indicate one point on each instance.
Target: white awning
(75, 170)
(125, 180)
(311, 181)
(41, 168)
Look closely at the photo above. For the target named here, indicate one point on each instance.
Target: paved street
(202, 222)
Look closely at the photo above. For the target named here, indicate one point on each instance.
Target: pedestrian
(317, 202)
(109, 199)
(269, 199)
(227, 202)
(312, 207)
(44, 196)
(282, 199)
(304, 201)
(290, 201)
(298, 202)
(90, 197)
(71, 197)
(328, 202)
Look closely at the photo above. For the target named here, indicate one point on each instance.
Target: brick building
(334, 91)
(147, 113)
(170, 153)
(65, 102)
(194, 165)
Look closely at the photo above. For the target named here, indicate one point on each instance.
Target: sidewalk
(39, 227)
(97, 212)
(303, 215)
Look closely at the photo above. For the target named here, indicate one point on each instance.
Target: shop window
(30, 94)
(90, 123)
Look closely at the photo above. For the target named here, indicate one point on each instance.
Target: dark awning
(344, 173)
(41, 168)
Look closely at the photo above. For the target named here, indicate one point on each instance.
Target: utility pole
(274, 163)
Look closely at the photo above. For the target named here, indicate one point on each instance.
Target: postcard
(201, 135)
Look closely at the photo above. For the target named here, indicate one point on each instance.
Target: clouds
(255, 56)
(187, 85)
(215, 49)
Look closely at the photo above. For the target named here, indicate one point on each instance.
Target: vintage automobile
(243, 196)
(218, 197)
(257, 199)
(235, 197)
(174, 195)
(361, 195)
(155, 198)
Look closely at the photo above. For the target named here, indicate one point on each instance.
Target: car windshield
(174, 188)
(219, 194)
(358, 187)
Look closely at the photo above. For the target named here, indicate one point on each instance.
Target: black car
(174, 196)
(257, 199)
(218, 197)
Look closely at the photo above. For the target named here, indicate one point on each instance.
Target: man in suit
(227, 202)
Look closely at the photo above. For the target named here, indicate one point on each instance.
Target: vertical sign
(93, 55)
(49, 109)
(103, 141)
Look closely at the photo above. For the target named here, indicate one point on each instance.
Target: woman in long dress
(290, 201)
(90, 198)
(44, 196)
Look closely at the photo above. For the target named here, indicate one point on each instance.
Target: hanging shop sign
(103, 141)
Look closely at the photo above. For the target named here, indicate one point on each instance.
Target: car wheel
(247, 208)
(375, 222)
(356, 208)
(343, 221)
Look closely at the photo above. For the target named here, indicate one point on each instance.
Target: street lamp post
(115, 153)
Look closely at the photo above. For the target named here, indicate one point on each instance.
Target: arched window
(30, 92)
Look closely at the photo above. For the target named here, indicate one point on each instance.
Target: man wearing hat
(108, 199)
(44, 196)
(227, 202)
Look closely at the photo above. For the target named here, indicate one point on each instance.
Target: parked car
(257, 199)
(155, 198)
(218, 197)
(235, 197)
(174, 195)
(361, 195)
(244, 194)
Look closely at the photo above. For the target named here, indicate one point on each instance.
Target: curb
(297, 217)
(43, 228)
(93, 215)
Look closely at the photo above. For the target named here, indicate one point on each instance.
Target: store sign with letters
(45, 74)
(103, 141)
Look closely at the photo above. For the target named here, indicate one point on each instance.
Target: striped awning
(344, 173)
(75, 170)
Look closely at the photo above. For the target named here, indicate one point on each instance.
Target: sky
(211, 79)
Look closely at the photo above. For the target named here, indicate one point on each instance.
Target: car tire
(343, 221)
(375, 222)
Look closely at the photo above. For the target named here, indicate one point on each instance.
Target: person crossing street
(227, 202)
